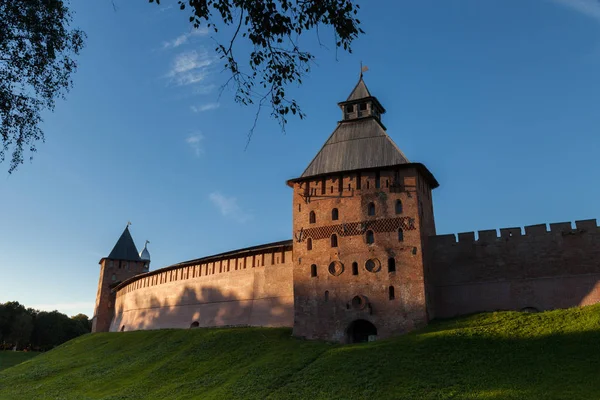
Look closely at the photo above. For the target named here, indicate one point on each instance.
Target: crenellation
(510, 232)
(488, 235)
(560, 227)
(539, 229)
(466, 237)
(442, 240)
(589, 225)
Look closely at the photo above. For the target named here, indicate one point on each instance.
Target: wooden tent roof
(125, 248)
(356, 144)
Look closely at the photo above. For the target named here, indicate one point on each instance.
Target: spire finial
(128, 223)
(363, 69)
(145, 244)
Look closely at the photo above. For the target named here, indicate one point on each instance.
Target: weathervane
(128, 223)
(363, 69)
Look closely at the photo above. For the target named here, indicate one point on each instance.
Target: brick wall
(323, 304)
(540, 268)
(112, 272)
(244, 290)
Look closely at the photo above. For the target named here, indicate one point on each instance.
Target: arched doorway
(195, 324)
(359, 331)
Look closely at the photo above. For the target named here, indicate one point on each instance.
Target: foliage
(273, 28)
(41, 330)
(504, 355)
(36, 64)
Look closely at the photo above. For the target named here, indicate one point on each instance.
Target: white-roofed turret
(145, 255)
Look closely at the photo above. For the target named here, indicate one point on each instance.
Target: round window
(359, 302)
(336, 268)
(373, 265)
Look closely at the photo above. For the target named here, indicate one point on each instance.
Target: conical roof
(360, 91)
(125, 248)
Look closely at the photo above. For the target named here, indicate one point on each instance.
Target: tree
(21, 328)
(273, 28)
(37, 47)
(82, 324)
(16, 324)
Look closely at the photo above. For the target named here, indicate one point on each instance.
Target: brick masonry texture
(541, 269)
(323, 304)
(251, 290)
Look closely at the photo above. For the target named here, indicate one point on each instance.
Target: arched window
(334, 240)
(400, 235)
(391, 264)
(370, 237)
(313, 270)
(355, 268)
(334, 214)
(371, 209)
(312, 218)
(391, 293)
(309, 244)
(398, 207)
(327, 295)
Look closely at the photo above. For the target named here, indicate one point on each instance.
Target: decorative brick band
(357, 228)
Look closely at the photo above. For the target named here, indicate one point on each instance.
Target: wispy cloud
(590, 8)
(182, 39)
(204, 107)
(195, 142)
(229, 207)
(190, 67)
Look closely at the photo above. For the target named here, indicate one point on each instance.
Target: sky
(498, 98)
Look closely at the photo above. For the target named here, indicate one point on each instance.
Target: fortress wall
(538, 267)
(254, 290)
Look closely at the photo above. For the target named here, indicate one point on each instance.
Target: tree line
(29, 329)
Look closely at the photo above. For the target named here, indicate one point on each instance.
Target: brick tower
(361, 217)
(122, 263)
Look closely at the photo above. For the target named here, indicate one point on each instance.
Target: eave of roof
(419, 166)
(215, 257)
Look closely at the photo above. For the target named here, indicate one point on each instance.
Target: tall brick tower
(122, 263)
(361, 217)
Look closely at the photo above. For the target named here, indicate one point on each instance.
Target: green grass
(11, 358)
(507, 355)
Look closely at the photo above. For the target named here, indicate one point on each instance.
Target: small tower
(145, 256)
(362, 213)
(122, 263)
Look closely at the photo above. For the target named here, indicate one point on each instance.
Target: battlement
(490, 235)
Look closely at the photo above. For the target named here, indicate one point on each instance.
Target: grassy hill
(10, 358)
(508, 355)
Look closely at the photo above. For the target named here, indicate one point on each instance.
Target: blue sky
(497, 97)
